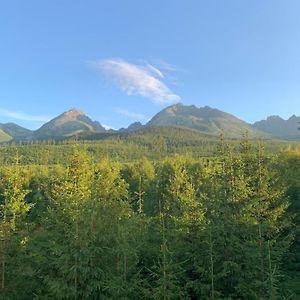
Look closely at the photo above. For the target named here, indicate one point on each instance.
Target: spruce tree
(14, 209)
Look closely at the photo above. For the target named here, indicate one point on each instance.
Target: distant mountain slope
(4, 137)
(204, 119)
(68, 124)
(132, 127)
(170, 134)
(15, 131)
(280, 128)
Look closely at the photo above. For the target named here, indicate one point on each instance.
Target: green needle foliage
(13, 209)
(118, 220)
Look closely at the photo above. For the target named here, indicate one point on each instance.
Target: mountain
(280, 128)
(15, 131)
(205, 119)
(132, 127)
(4, 137)
(9, 131)
(69, 123)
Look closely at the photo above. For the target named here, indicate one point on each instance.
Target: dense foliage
(77, 223)
(155, 143)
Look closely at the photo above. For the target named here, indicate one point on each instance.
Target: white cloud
(22, 116)
(107, 127)
(144, 80)
(130, 114)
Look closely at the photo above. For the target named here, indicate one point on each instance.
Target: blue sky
(123, 61)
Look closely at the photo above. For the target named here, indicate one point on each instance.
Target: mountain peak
(205, 119)
(179, 105)
(176, 104)
(69, 123)
(274, 117)
(294, 117)
(279, 127)
(74, 112)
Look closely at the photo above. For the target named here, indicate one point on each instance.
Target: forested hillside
(154, 143)
(117, 219)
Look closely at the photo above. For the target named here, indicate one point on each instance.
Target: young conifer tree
(113, 233)
(65, 231)
(14, 209)
(139, 176)
(266, 212)
(180, 217)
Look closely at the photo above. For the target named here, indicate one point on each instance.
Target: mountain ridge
(278, 127)
(205, 120)
(69, 123)
(11, 131)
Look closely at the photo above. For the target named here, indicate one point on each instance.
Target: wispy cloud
(144, 80)
(166, 66)
(22, 116)
(155, 71)
(130, 114)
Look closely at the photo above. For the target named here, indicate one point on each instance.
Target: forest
(118, 219)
